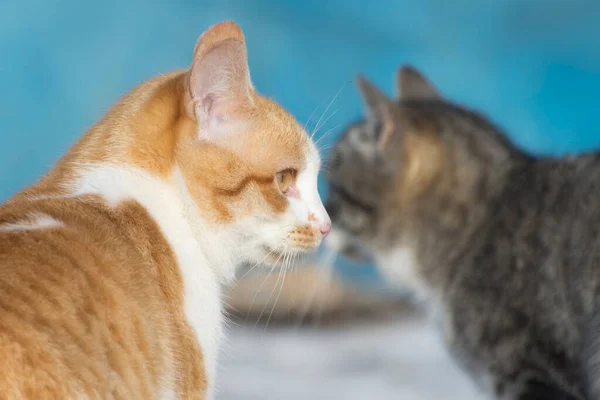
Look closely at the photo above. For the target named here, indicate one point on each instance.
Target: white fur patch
(38, 221)
(400, 267)
(169, 394)
(365, 148)
(203, 308)
(336, 240)
(307, 184)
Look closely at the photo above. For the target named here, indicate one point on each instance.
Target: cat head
(247, 161)
(243, 169)
(419, 160)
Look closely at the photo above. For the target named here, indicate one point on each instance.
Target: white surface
(398, 360)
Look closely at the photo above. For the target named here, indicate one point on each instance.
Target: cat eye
(285, 179)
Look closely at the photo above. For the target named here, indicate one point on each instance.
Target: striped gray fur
(506, 245)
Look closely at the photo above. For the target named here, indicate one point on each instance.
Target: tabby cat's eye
(284, 179)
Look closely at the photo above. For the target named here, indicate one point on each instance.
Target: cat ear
(218, 88)
(379, 107)
(412, 85)
(374, 99)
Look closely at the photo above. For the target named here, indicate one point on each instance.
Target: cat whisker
(259, 262)
(328, 160)
(328, 268)
(313, 113)
(316, 108)
(285, 229)
(326, 147)
(328, 263)
(327, 109)
(326, 168)
(326, 120)
(284, 253)
(285, 268)
(322, 151)
(264, 280)
(327, 133)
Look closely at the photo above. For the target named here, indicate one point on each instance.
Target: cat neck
(130, 155)
(194, 239)
(423, 244)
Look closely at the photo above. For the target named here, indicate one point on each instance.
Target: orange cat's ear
(413, 85)
(381, 108)
(218, 87)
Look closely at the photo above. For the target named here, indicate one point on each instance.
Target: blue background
(532, 65)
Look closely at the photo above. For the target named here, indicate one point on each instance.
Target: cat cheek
(299, 208)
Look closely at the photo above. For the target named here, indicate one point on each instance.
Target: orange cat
(111, 265)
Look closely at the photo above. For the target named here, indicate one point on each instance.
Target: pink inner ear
(386, 133)
(220, 82)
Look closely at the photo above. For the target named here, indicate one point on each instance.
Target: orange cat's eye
(285, 179)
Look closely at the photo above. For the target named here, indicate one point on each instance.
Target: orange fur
(93, 307)
(80, 315)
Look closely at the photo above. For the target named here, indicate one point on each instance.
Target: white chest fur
(202, 291)
(400, 267)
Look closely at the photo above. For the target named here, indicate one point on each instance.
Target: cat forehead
(367, 130)
(354, 166)
(358, 142)
(273, 139)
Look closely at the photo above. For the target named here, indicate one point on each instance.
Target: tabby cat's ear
(375, 100)
(381, 108)
(218, 88)
(413, 85)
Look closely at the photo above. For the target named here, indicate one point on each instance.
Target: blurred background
(532, 65)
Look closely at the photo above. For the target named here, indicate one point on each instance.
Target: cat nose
(325, 228)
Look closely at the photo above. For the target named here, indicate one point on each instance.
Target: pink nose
(325, 228)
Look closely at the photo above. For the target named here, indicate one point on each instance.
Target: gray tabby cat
(504, 246)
